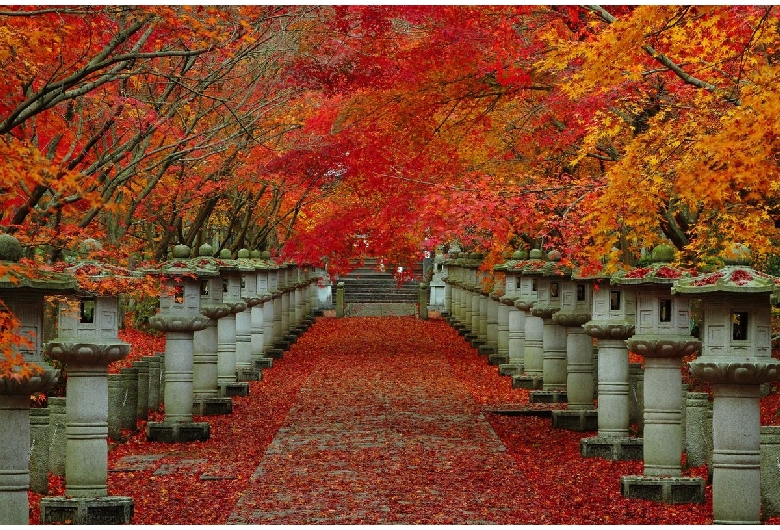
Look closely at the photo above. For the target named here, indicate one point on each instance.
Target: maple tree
(313, 131)
(315, 127)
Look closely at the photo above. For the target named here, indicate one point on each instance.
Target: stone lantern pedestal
(245, 366)
(533, 351)
(179, 318)
(227, 374)
(206, 400)
(264, 341)
(613, 318)
(576, 302)
(502, 285)
(512, 318)
(257, 315)
(86, 498)
(736, 359)
(663, 338)
(21, 294)
(549, 291)
(15, 441)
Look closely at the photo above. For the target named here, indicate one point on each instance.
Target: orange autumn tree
(580, 128)
(100, 130)
(151, 115)
(689, 133)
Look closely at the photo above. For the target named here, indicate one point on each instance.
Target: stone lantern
(87, 343)
(576, 306)
(501, 356)
(206, 397)
(548, 292)
(515, 318)
(533, 350)
(613, 321)
(472, 289)
(283, 286)
(245, 368)
(663, 337)
(257, 295)
(263, 268)
(736, 359)
(453, 280)
(21, 293)
(227, 378)
(275, 286)
(180, 317)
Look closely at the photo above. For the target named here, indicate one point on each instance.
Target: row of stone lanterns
(232, 317)
(87, 342)
(646, 311)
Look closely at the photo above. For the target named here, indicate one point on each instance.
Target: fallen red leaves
(380, 420)
(143, 344)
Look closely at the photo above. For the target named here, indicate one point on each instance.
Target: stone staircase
(371, 291)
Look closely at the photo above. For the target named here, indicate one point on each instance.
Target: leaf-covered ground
(379, 420)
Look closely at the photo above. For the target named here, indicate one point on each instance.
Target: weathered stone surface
(81, 511)
(177, 432)
(39, 450)
(611, 448)
(669, 490)
(575, 420)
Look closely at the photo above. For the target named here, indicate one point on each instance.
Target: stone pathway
(383, 433)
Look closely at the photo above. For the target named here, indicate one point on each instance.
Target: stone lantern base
(234, 388)
(159, 431)
(497, 359)
(275, 352)
(669, 490)
(284, 343)
(87, 510)
(547, 396)
(510, 369)
(612, 448)
(262, 363)
(529, 382)
(575, 420)
(211, 406)
(244, 374)
(488, 350)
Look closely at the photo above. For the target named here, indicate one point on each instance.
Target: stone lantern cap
(181, 264)
(554, 267)
(227, 264)
(30, 376)
(260, 260)
(735, 277)
(534, 265)
(16, 275)
(510, 265)
(100, 279)
(729, 279)
(658, 272)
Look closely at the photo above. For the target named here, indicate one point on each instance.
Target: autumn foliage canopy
(313, 131)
